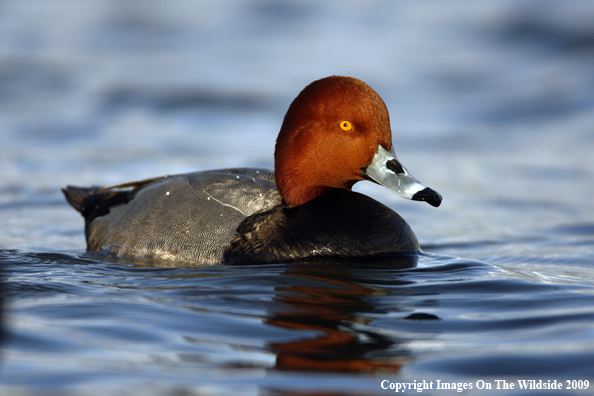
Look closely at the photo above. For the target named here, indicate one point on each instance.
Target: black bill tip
(428, 195)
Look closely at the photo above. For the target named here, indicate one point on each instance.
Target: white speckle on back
(225, 204)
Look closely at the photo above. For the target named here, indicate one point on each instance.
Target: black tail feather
(92, 204)
(76, 196)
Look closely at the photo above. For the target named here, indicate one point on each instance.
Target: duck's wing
(190, 217)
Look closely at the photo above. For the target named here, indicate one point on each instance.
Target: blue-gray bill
(385, 169)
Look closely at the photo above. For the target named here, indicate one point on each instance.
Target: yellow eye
(346, 126)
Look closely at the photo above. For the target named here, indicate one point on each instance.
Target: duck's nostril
(395, 166)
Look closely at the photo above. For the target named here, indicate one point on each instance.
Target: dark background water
(492, 104)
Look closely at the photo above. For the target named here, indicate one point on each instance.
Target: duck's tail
(93, 202)
(76, 196)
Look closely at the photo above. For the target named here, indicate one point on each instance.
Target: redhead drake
(335, 133)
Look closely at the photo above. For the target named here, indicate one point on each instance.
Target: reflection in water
(331, 301)
(286, 329)
(336, 303)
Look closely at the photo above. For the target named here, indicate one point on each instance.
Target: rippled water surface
(491, 103)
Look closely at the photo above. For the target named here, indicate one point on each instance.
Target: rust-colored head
(330, 132)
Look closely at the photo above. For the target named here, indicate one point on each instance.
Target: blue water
(491, 103)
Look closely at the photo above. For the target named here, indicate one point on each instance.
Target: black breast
(338, 225)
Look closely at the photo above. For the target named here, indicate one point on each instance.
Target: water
(491, 105)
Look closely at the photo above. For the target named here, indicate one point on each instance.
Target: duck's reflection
(337, 304)
(332, 301)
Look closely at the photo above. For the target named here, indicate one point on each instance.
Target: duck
(335, 133)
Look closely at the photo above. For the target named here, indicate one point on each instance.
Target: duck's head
(336, 133)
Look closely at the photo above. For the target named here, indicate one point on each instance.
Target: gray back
(189, 217)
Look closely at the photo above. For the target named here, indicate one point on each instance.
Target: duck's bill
(386, 170)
